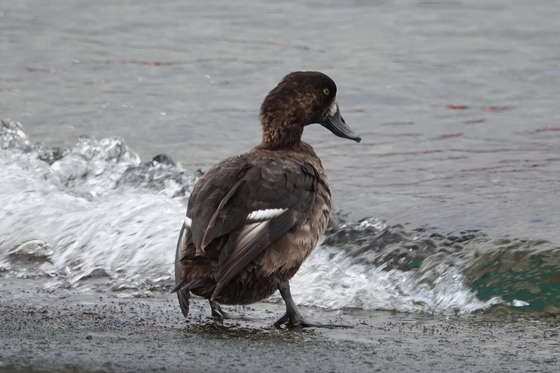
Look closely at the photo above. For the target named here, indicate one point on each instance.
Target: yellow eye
(326, 91)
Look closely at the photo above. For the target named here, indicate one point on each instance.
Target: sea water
(450, 204)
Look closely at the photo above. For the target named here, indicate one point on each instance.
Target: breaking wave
(95, 216)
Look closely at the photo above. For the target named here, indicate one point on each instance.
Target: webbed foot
(293, 318)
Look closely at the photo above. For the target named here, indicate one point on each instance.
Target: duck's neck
(283, 136)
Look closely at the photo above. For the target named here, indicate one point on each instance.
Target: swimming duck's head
(300, 99)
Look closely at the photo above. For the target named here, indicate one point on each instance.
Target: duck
(253, 219)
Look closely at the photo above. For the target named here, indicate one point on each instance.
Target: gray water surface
(456, 101)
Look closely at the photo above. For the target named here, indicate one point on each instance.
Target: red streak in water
(451, 135)
(149, 63)
(457, 107)
(548, 128)
(495, 109)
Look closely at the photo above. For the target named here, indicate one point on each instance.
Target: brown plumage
(253, 219)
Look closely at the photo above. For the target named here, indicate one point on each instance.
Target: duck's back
(251, 221)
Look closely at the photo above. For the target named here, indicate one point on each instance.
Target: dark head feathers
(300, 99)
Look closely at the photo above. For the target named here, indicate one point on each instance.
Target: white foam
(98, 212)
(131, 235)
(88, 213)
(333, 280)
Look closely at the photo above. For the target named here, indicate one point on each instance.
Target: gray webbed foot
(292, 317)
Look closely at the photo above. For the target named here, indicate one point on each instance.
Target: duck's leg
(292, 317)
(221, 315)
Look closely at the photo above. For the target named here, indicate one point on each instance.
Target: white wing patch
(188, 222)
(250, 233)
(263, 215)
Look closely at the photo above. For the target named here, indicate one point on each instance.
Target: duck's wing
(253, 202)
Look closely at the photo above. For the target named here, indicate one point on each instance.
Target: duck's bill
(336, 124)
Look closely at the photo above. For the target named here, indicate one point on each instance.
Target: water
(449, 204)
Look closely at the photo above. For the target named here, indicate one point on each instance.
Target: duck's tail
(184, 301)
(183, 292)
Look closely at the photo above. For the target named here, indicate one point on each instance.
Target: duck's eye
(326, 91)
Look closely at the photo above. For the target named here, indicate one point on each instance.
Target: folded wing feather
(253, 212)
